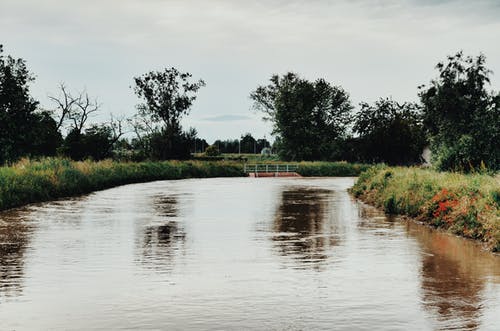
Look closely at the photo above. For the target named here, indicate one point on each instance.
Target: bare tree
(117, 129)
(76, 109)
(65, 104)
(142, 126)
(84, 108)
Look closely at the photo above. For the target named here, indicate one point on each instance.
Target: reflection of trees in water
(453, 271)
(14, 239)
(374, 222)
(301, 225)
(453, 278)
(162, 240)
(455, 296)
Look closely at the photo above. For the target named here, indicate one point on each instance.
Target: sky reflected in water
(280, 253)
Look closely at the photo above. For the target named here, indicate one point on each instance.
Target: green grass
(33, 181)
(466, 205)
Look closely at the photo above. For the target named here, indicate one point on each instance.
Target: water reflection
(454, 272)
(374, 222)
(14, 238)
(163, 237)
(454, 275)
(161, 256)
(301, 224)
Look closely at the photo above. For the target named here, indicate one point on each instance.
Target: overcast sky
(373, 48)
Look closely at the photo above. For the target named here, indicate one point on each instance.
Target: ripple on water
(277, 253)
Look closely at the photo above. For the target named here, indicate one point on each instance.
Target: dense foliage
(389, 132)
(461, 116)
(23, 130)
(168, 96)
(310, 118)
(247, 144)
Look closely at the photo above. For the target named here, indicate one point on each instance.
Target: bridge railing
(256, 168)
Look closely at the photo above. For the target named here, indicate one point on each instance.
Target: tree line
(457, 117)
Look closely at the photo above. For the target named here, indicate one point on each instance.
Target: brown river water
(237, 254)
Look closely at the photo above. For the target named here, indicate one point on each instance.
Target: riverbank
(466, 205)
(35, 181)
(31, 181)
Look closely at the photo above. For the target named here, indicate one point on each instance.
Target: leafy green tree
(96, 142)
(168, 96)
(309, 118)
(248, 144)
(230, 146)
(46, 138)
(23, 130)
(389, 132)
(461, 116)
(212, 150)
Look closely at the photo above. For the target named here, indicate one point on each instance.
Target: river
(238, 254)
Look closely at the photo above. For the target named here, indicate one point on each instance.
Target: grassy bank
(466, 205)
(51, 178)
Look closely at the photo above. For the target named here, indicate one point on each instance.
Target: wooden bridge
(271, 170)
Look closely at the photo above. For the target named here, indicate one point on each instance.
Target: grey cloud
(373, 48)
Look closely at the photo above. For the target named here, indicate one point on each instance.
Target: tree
(461, 117)
(46, 138)
(95, 142)
(389, 132)
(309, 118)
(230, 146)
(168, 96)
(248, 144)
(212, 150)
(23, 130)
(76, 109)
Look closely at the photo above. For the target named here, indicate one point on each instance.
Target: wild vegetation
(464, 204)
(50, 178)
(457, 116)
(461, 116)
(31, 181)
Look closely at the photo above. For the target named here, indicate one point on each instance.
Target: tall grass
(467, 205)
(32, 181)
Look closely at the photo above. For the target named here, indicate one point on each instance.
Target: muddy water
(263, 254)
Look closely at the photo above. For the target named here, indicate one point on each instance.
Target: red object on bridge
(273, 174)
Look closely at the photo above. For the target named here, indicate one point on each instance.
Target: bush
(212, 151)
